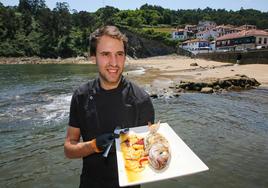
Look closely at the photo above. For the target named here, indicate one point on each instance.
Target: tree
(9, 23)
(24, 6)
(26, 19)
(167, 17)
(106, 14)
(32, 6)
(61, 19)
(152, 17)
(37, 5)
(83, 19)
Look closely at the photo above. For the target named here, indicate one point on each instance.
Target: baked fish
(156, 148)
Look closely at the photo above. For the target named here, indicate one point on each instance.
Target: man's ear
(93, 59)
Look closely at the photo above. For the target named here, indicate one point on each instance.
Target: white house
(226, 29)
(207, 34)
(212, 45)
(179, 34)
(196, 45)
(182, 34)
(205, 25)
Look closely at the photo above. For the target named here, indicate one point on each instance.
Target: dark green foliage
(151, 34)
(106, 15)
(32, 29)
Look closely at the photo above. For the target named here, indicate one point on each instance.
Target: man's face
(110, 58)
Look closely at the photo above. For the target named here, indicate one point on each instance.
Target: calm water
(227, 131)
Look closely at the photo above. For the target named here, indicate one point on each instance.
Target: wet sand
(173, 68)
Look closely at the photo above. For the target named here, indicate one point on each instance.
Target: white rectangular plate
(183, 160)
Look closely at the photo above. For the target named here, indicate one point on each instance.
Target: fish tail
(153, 128)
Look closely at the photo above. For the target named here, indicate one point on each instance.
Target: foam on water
(51, 108)
(138, 71)
(57, 110)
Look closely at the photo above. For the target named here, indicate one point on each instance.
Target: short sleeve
(74, 115)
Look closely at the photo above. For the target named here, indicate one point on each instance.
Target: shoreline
(161, 71)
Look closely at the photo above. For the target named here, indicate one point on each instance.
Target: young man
(101, 105)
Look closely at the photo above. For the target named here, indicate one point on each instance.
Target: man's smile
(112, 70)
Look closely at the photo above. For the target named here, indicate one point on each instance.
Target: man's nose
(113, 61)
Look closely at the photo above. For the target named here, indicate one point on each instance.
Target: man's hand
(104, 140)
(73, 148)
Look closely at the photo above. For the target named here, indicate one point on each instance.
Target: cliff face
(139, 47)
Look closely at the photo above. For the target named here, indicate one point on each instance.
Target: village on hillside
(207, 36)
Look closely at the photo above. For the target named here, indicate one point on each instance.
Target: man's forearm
(73, 149)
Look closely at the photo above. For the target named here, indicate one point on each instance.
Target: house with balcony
(196, 46)
(226, 29)
(243, 40)
(182, 34)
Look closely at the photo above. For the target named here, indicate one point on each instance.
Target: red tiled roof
(244, 33)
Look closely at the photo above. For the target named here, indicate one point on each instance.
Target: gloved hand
(104, 140)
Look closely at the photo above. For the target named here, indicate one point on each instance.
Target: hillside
(32, 29)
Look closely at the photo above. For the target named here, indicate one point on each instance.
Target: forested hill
(32, 29)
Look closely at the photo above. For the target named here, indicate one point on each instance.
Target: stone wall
(247, 57)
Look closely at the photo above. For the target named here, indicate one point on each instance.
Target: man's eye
(120, 54)
(105, 54)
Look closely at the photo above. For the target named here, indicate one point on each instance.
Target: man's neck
(109, 86)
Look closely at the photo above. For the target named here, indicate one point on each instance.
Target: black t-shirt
(110, 108)
(100, 112)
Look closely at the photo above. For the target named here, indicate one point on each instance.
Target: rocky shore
(38, 60)
(207, 86)
(217, 85)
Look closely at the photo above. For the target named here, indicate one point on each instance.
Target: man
(101, 105)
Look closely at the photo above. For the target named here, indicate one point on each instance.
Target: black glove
(104, 140)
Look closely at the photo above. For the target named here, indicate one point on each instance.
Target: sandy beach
(162, 70)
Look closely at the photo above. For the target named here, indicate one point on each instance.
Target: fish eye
(163, 153)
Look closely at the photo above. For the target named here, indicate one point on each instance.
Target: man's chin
(111, 80)
(114, 78)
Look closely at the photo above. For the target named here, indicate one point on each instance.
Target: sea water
(227, 131)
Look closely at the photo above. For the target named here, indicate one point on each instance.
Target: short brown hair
(111, 31)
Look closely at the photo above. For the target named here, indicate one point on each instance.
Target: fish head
(159, 156)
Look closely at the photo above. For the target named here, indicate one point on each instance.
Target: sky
(93, 5)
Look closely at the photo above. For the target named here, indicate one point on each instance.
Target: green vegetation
(32, 29)
(154, 35)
